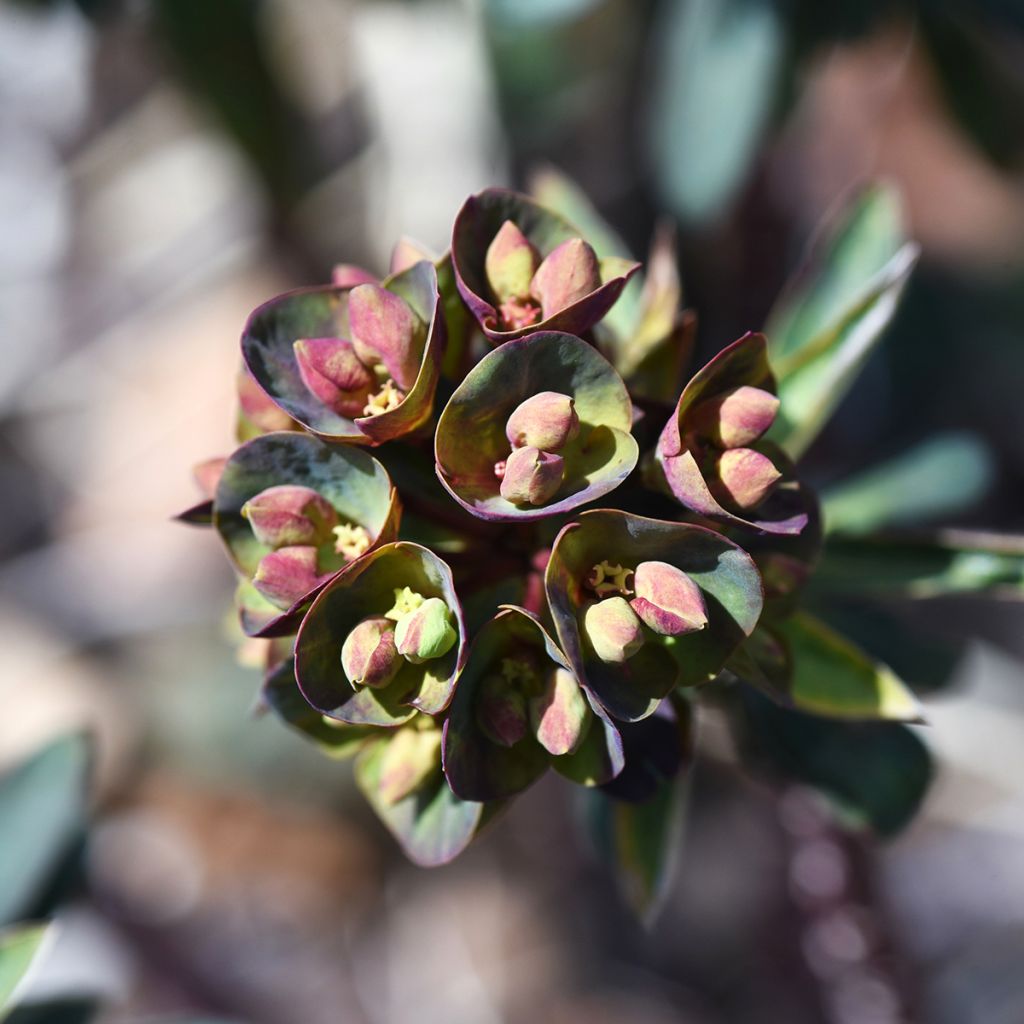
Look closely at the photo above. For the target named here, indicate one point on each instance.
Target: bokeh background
(165, 166)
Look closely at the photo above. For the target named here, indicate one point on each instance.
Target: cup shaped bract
(268, 349)
(687, 463)
(351, 480)
(477, 224)
(368, 588)
(478, 768)
(471, 438)
(726, 575)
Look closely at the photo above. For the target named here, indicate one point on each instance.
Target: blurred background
(165, 166)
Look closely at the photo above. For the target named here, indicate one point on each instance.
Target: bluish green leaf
(829, 320)
(875, 773)
(924, 565)
(42, 813)
(719, 64)
(939, 477)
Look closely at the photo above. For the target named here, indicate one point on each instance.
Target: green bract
(319, 315)
(518, 708)
(471, 438)
(354, 483)
(389, 578)
(725, 574)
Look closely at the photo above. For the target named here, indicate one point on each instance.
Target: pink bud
(384, 329)
(331, 370)
(560, 715)
(369, 656)
(613, 629)
(568, 273)
(286, 576)
(532, 477)
(510, 263)
(747, 477)
(736, 418)
(667, 600)
(547, 421)
(287, 515)
(501, 711)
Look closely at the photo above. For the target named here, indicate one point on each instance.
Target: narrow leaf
(18, 950)
(939, 477)
(828, 322)
(41, 815)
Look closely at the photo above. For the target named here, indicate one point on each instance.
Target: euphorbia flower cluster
(497, 628)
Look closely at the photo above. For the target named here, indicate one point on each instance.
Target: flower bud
(501, 711)
(747, 476)
(560, 715)
(735, 418)
(531, 477)
(369, 656)
(613, 629)
(667, 600)
(331, 370)
(569, 273)
(288, 514)
(547, 421)
(425, 633)
(411, 759)
(510, 263)
(385, 330)
(286, 576)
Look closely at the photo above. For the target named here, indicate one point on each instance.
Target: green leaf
(939, 477)
(641, 842)
(719, 64)
(18, 950)
(826, 324)
(831, 676)
(924, 565)
(875, 773)
(42, 812)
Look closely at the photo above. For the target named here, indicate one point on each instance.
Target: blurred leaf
(640, 842)
(42, 812)
(876, 773)
(924, 658)
(719, 63)
(831, 676)
(939, 477)
(539, 13)
(976, 56)
(18, 949)
(635, 821)
(222, 55)
(924, 564)
(70, 1010)
(826, 324)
